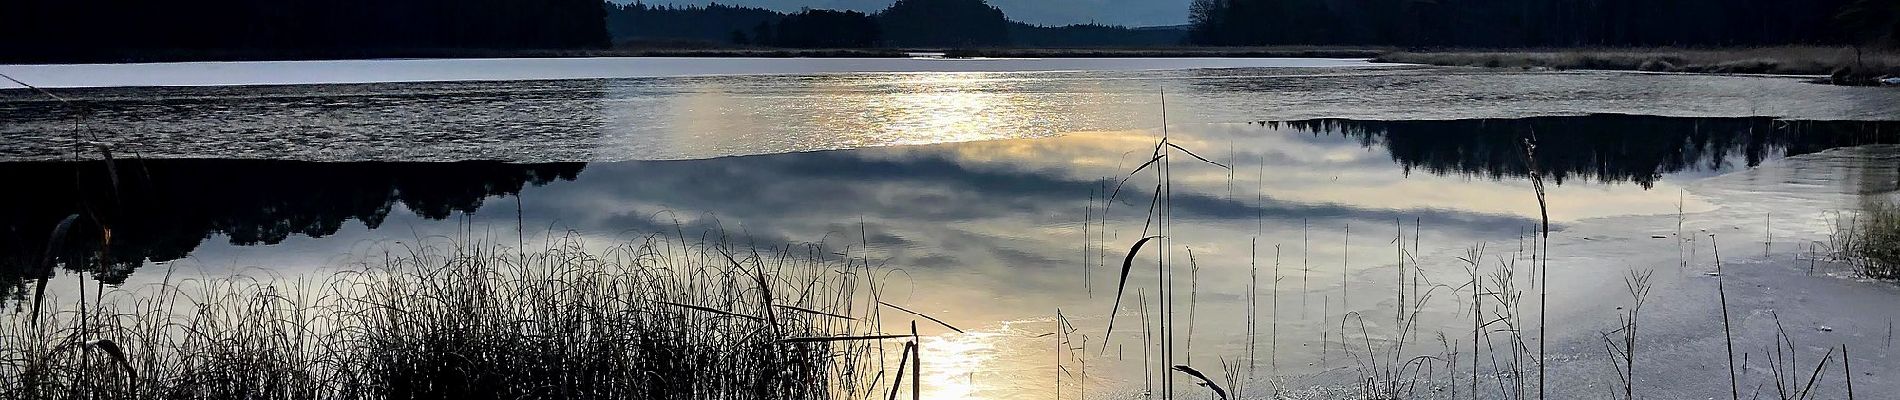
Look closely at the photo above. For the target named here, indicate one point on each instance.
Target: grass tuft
(1869, 241)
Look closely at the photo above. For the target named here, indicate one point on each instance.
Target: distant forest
(130, 30)
(906, 23)
(1543, 23)
(106, 29)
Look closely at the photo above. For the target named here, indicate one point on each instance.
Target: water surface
(714, 116)
(252, 73)
(988, 193)
(993, 235)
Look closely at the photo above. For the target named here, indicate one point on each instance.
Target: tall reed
(1543, 280)
(1157, 227)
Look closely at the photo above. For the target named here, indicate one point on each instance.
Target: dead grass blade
(813, 312)
(1198, 157)
(711, 310)
(1128, 263)
(932, 319)
(820, 339)
(53, 244)
(118, 355)
(1209, 383)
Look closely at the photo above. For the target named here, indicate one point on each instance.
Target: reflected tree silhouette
(1607, 148)
(164, 209)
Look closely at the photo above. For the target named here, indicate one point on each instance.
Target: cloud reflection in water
(987, 234)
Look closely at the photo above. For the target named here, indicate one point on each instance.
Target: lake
(993, 193)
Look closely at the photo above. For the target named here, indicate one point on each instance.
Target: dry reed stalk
(1728, 337)
(1543, 281)
(1273, 349)
(1847, 369)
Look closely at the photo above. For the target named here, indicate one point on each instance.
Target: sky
(1133, 13)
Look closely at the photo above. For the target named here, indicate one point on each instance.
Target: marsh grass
(466, 319)
(1398, 361)
(1503, 326)
(1070, 348)
(1388, 370)
(1621, 342)
(1785, 369)
(1869, 240)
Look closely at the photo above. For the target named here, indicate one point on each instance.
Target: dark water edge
(161, 210)
(1842, 65)
(192, 55)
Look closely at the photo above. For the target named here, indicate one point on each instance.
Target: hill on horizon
(1130, 13)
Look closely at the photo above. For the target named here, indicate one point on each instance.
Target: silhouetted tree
(944, 23)
(826, 28)
(1086, 35)
(1874, 21)
(710, 23)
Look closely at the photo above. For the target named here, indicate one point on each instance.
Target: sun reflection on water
(997, 363)
(946, 108)
(850, 111)
(954, 361)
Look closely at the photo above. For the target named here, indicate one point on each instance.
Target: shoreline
(265, 73)
(732, 52)
(1835, 65)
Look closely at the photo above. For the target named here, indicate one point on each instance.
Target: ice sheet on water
(686, 117)
(519, 69)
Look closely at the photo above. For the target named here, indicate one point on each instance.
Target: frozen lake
(691, 117)
(521, 69)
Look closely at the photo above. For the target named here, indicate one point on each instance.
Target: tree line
(1541, 23)
(101, 30)
(123, 30)
(906, 23)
